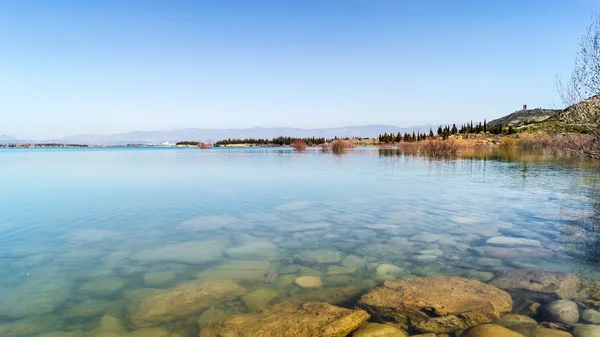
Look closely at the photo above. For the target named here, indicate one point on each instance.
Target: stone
(302, 227)
(211, 316)
(254, 250)
(104, 287)
(354, 261)
(208, 223)
(583, 330)
(389, 272)
(429, 237)
(561, 311)
(435, 304)
(538, 286)
(62, 334)
(30, 326)
(490, 330)
(334, 295)
(545, 332)
(35, 296)
(427, 335)
(160, 306)
(510, 320)
(482, 276)
(507, 241)
(194, 252)
(425, 258)
(251, 271)
(309, 282)
(284, 281)
(337, 281)
(590, 316)
(259, 299)
(340, 270)
(317, 257)
(151, 332)
(378, 330)
(159, 278)
(291, 319)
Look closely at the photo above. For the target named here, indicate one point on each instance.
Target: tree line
(278, 141)
(445, 131)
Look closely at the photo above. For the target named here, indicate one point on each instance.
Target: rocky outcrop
(291, 319)
(436, 304)
(538, 286)
(159, 306)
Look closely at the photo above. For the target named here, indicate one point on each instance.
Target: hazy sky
(70, 67)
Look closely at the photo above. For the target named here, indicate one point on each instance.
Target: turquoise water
(83, 229)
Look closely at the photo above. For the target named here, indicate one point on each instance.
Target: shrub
(439, 147)
(340, 145)
(508, 143)
(299, 145)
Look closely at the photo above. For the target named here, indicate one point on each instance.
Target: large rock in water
(436, 304)
(160, 306)
(291, 319)
(538, 286)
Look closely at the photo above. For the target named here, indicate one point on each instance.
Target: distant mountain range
(6, 137)
(172, 136)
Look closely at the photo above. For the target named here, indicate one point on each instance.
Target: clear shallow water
(81, 230)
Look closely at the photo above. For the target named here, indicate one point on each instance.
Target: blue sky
(70, 67)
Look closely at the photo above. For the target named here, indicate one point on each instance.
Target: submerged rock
(254, 250)
(316, 257)
(378, 330)
(583, 330)
(388, 272)
(436, 304)
(37, 295)
(562, 311)
(208, 223)
(340, 270)
(507, 241)
(259, 299)
(538, 286)
(309, 282)
(159, 278)
(590, 316)
(252, 271)
(160, 306)
(490, 330)
(291, 319)
(30, 326)
(195, 252)
(103, 287)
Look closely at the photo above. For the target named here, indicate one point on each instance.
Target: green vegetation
(280, 141)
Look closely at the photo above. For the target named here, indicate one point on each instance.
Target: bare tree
(581, 93)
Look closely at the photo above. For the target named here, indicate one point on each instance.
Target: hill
(518, 117)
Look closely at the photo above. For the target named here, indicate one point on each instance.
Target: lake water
(82, 231)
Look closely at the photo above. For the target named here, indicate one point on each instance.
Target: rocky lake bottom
(182, 243)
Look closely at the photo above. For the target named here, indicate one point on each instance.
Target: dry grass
(508, 143)
(299, 145)
(438, 147)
